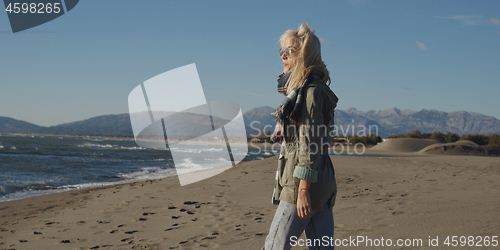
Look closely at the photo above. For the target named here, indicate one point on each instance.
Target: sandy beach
(408, 196)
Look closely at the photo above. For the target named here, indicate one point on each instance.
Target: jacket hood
(329, 93)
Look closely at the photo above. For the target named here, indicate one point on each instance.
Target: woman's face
(291, 50)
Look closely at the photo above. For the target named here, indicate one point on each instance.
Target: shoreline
(185, 179)
(76, 187)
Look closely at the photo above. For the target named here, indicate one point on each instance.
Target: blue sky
(442, 55)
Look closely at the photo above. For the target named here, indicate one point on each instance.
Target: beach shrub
(366, 140)
(477, 138)
(494, 139)
(438, 136)
(414, 134)
(395, 136)
(451, 137)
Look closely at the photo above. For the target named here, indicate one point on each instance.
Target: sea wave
(132, 148)
(148, 173)
(212, 149)
(220, 159)
(108, 146)
(189, 164)
(195, 150)
(186, 150)
(93, 145)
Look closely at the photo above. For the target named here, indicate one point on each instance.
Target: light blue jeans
(287, 227)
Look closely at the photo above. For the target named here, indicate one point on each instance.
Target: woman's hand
(304, 200)
(304, 204)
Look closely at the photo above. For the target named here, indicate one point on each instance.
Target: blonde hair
(309, 56)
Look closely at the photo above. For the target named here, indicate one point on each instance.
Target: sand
(405, 197)
(404, 144)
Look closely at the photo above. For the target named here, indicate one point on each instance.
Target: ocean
(33, 165)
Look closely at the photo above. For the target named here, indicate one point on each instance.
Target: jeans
(287, 227)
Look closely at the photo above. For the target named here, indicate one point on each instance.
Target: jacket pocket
(291, 160)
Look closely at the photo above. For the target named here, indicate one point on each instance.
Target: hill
(396, 121)
(388, 121)
(100, 125)
(8, 124)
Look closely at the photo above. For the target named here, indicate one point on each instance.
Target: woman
(305, 185)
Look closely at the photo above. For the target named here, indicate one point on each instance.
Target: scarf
(288, 112)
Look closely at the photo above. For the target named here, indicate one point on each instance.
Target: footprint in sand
(398, 212)
(184, 210)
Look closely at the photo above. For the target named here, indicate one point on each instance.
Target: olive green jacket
(304, 152)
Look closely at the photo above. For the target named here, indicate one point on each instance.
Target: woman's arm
(310, 149)
(304, 200)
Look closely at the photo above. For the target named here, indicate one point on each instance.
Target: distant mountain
(258, 118)
(100, 125)
(13, 125)
(388, 121)
(395, 121)
(183, 124)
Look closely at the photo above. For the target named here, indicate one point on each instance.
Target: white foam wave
(95, 145)
(148, 173)
(220, 159)
(132, 148)
(212, 149)
(159, 159)
(195, 150)
(189, 164)
(186, 150)
(107, 146)
(144, 174)
(28, 194)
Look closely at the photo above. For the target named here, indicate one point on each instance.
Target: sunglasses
(286, 51)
